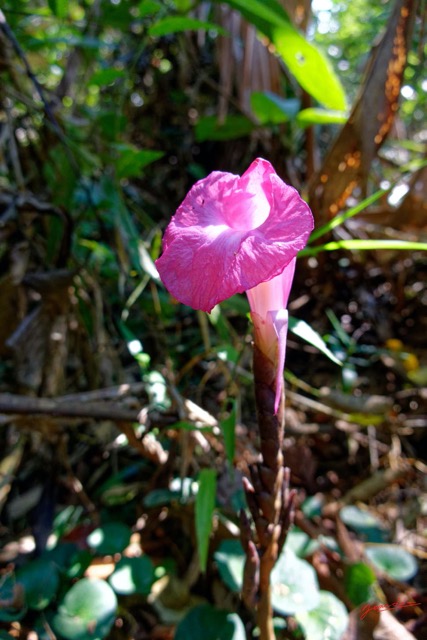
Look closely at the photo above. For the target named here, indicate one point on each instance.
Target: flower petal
(230, 234)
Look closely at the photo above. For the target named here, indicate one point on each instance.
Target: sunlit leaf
(303, 330)
(110, 538)
(306, 63)
(365, 245)
(87, 611)
(393, 560)
(358, 580)
(308, 117)
(294, 585)
(175, 24)
(328, 620)
(133, 576)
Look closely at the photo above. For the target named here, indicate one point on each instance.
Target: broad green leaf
(59, 8)
(208, 623)
(363, 522)
(365, 245)
(110, 538)
(87, 611)
(131, 160)
(269, 108)
(392, 560)
(228, 428)
(175, 24)
(205, 505)
(230, 560)
(328, 620)
(208, 128)
(306, 63)
(40, 580)
(308, 117)
(358, 580)
(148, 8)
(133, 576)
(103, 77)
(303, 330)
(294, 585)
(7, 595)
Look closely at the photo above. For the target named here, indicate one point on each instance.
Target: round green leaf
(230, 560)
(40, 580)
(7, 595)
(133, 575)
(393, 560)
(207, 623)
(87, 611)
(358, 580)
(328, 620)
(293, 584)
(363, 522)
(109, 539)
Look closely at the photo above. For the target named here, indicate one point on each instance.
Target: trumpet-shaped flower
(234, 234)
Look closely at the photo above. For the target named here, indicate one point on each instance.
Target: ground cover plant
(128, 419)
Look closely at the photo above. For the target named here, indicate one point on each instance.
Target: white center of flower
(246, 211)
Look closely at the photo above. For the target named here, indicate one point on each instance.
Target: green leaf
(303, 330)
(110, 538)
(308, 117)
(365, 245)
(363, 522)
(205, 505)
(328, 620)
(104, 77)
(270, 108)
(294, 585)
(306, 63)
(148, 8)
(207, 128)
(230, 560)
(392, 560)
(358, 580)
(7, 594)
(228, 428)
(40, 580)
(59, 8)
(208, 623)
(87, 611)
(175, 24)
(133, 576)
(131, 160)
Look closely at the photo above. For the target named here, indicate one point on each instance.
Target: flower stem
(269, 499)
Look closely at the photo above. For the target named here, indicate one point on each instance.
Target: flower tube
(236, 234)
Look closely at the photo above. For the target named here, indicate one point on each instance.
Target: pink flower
(233, 234)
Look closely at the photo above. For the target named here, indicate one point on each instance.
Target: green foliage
(87, 611)
(207, 623)
(205, 505)
(109, 111)
(359, 580)
(40, 581)
(329, 619)
(393, 560)
(133, 576)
